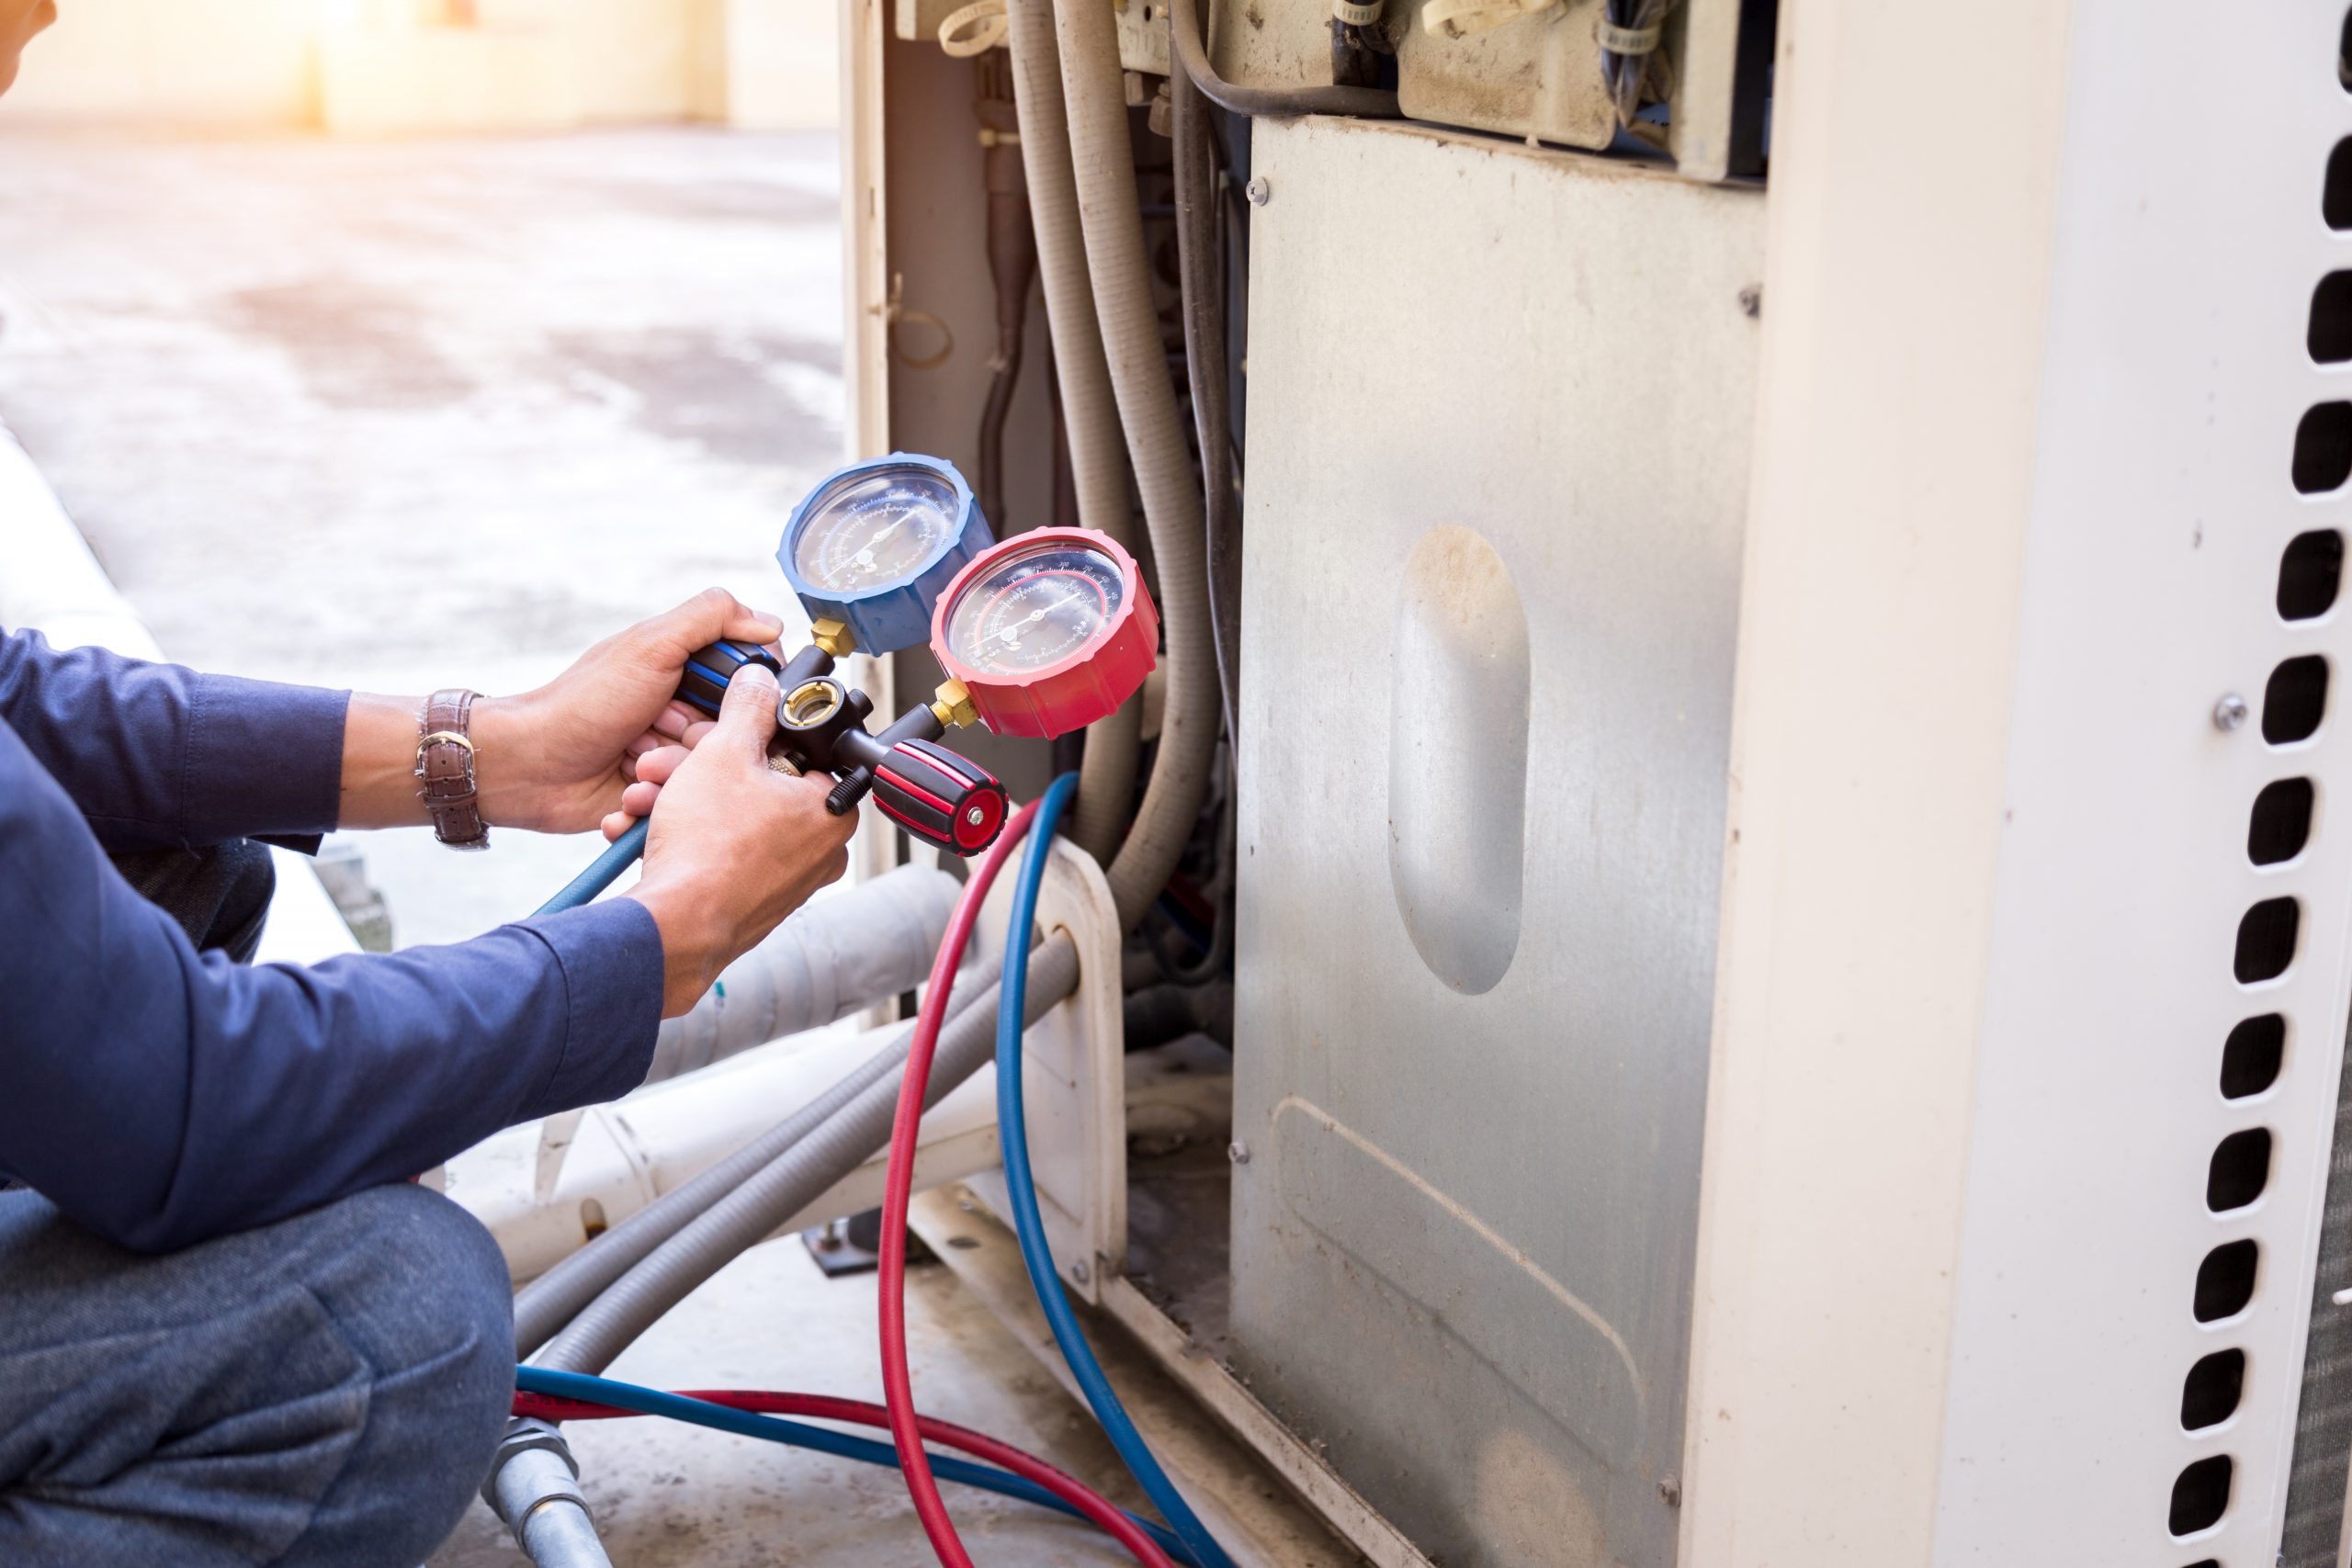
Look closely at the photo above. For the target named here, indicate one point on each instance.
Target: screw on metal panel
(1238, 1152)
(1079, 1271)
(1751, 300)
(1257, 190)
(2231, 712)
(1669, 1490)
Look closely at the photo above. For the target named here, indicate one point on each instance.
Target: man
(230, 1330)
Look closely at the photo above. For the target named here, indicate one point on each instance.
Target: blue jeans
(327, 1390)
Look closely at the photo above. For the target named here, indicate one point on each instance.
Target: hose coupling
(534, 1486)
(953, 705)
(834, 636)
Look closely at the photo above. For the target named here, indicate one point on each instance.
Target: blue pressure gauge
(874, 545)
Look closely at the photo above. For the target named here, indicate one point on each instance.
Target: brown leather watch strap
(444, 761)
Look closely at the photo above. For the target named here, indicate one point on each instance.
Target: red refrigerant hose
(898, 1389)
(1097, 1509)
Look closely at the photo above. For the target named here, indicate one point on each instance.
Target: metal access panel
(1500, 414)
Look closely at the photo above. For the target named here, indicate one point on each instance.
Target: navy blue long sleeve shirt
(158, 1095)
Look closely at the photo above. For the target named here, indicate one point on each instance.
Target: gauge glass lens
(1036, 609)
(874, 529)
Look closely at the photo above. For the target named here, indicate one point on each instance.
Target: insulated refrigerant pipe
(829, 959)
(1103, 167)
(793, 1180)
(1189, 43)
(556, 1297)
(1106, 780)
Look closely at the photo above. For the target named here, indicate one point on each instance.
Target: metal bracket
(1074, 1080)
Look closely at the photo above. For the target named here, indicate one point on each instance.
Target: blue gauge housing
(875, 543)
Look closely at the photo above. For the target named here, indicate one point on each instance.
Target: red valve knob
(939, 797)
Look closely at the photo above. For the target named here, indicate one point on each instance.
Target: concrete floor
(674, 1496)
(402, 415)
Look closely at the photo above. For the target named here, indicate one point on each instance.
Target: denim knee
(419, 1290)
(325, 1391)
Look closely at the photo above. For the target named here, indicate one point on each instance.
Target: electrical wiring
(898, 1390)
(1014, 1134)
(1633, 68)
(751, 1413)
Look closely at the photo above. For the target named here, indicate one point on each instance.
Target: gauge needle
(1011, 634)
(863, 560)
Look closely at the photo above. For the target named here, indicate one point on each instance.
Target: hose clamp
(1631, 42)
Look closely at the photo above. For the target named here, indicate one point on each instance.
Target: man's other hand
(735, 846)
(593, 746)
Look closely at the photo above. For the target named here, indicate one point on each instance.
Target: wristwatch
(444, 761)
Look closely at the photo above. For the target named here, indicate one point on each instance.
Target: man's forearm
(380, 788)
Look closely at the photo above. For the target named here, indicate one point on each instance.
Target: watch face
(875, 529)
(1035, 609)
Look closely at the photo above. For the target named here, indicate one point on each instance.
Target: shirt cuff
(263, 759)
(610, 956)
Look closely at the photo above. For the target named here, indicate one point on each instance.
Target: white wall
(201, 61)
(379, 67)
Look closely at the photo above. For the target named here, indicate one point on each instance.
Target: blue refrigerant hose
(598, 876)
(589, 1389)
(1013, 1132)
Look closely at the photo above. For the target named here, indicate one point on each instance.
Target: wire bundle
(1631, 64)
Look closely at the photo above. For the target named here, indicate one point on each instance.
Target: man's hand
(561, 759)
(735, 847)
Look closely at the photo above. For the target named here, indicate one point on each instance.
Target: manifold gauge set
(1038, 635)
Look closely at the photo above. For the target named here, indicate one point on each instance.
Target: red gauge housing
(1088, 683)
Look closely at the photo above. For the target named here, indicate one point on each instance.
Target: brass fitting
(954, 708)
(834, 637)
(811, 703)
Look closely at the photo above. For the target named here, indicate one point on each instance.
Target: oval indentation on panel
(1457, 758)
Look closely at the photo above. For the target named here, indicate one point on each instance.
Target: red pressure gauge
(1049, 631)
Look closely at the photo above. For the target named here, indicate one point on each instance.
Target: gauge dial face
(877, 529)
(1036, 609)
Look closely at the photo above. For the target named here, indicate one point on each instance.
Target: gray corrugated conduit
(1106, 779)
(549, 1301)
(793, 1180)
(1103, 167)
